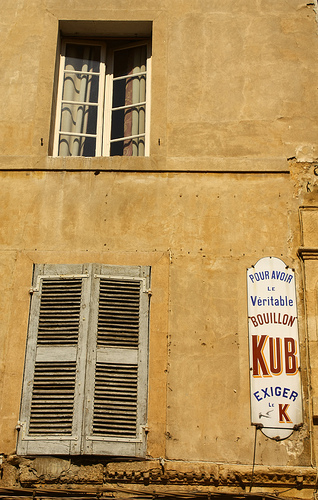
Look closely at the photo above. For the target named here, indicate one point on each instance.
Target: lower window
(86, 371)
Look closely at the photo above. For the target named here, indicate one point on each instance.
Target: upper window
(85, 378)
(103, 101)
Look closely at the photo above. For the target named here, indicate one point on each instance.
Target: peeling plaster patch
(294, 448)
(306, 152)
(15, 77)
(50, 466)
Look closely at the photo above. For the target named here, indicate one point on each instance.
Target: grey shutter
(117, 370)
(52, 397)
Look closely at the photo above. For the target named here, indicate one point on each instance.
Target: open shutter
(52, 397)
(117, 369)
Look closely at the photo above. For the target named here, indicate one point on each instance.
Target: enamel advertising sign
(276, 401)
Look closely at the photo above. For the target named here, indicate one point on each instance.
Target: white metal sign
(276, 401)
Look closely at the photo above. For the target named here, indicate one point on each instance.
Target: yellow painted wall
(233, 119)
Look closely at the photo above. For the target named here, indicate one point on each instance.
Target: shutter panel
(115, 400)
(117, 370)
(52, 398)
(52, 404)
(118, 314)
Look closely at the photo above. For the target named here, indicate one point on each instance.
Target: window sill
(95, 164)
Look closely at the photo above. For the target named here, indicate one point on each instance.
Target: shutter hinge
(21, 426)
(145, 428)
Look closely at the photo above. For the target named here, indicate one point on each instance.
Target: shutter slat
(118, 314)
(115, 400)
(52, 398)
(59, 311)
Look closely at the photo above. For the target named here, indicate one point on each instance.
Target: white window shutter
(117, 369)
(86, 370)
(52, 397)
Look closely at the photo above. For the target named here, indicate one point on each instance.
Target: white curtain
(129, 92)
(79, 88)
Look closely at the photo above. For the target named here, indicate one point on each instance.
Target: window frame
(82, 439)
(104, 105)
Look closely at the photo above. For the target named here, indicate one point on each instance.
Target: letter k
(283, 416)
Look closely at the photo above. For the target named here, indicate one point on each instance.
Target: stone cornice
(161, 474)
(202, 473)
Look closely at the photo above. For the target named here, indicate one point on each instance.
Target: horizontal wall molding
(153, 163)
(308, 253)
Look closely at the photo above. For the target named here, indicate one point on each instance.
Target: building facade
(150, 154)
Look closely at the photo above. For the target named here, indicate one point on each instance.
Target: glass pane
(78, 118)
(128, 147)
(77, 146)
(127, 122)
(79, 87)
(130, 90)
(128, 61)
(126, 92)
(82, 57)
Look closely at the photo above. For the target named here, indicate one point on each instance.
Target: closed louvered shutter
(118, 349)
(88, 330)
(52, 394)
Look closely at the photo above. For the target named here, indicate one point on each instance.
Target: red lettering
(275, 355)
(291, 321)
(254, 320)
(283, 415)
(259, 361)
(291, 362)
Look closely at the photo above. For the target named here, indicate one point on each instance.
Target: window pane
(128, 147)
(76, 146)
(127, 122)
(130, 90)
(78, 118)
(126, 92)
(80, 87)
(127, 61)
(82, 57)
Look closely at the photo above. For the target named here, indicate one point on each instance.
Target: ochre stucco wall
(199, 233)
(233, 149)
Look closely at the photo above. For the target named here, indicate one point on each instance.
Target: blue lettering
(268, 392)
(256, 394)
(266, 395)
(254, 300)
(293, 395)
